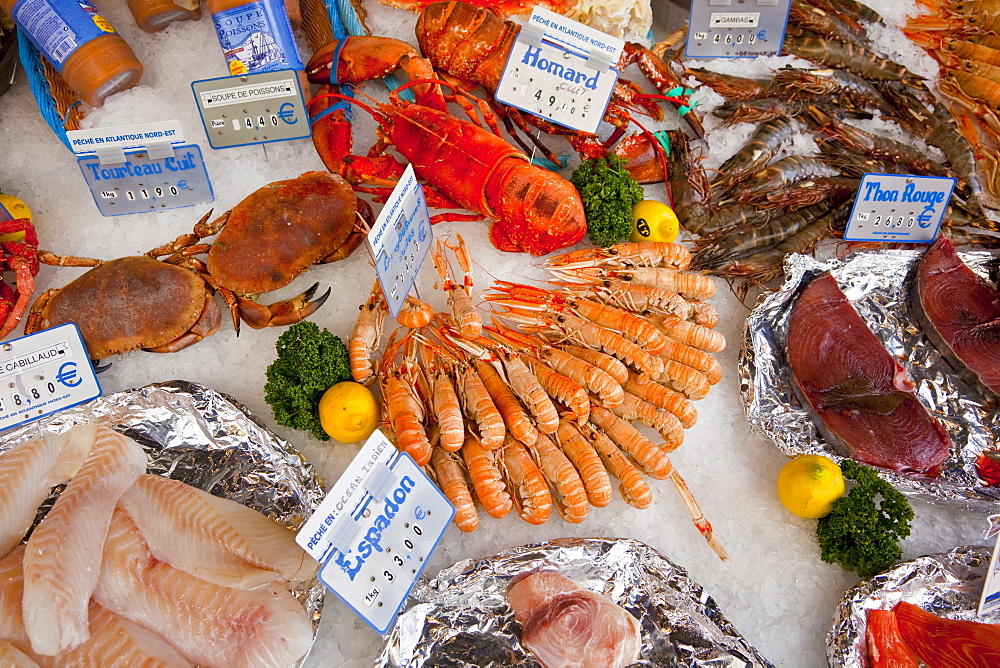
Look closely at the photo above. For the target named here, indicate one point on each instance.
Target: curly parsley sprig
(309, 361)
(864, 529)
(608, 193)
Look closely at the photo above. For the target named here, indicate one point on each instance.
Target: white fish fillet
(569, 626)
(209, 624)
(30, 470)
(11, 590)
(215, 539)
(62, 560)
(12, 657)
(115, 641)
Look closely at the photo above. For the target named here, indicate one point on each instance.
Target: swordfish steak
(960, 314)
(861, 399)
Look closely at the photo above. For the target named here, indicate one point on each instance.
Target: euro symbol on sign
(287, 113)
(420, 513)
(66, 374)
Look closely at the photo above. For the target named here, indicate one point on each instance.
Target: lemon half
(348, 412)
(809, 484)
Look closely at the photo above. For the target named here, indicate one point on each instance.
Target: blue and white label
(44, 373)
(375, 531)
(990, 598)
(252, 108)
(400, 239)
(123, 137)
(57, 28)
(257, 37)
(143, 183)
(735, 29)
(561, 70)
(899, 207)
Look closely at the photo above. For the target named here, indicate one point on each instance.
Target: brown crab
(264, 242)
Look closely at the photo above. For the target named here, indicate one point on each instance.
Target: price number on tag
(255, 123)
(738, 38)
(156, 191)
(30, 395)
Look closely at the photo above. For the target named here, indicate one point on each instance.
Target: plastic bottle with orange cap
(80, 43)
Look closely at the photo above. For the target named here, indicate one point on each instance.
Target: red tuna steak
(948, 643)
(960, 313)
(860, 398)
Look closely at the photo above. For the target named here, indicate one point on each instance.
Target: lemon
(13, 208)
(348, 412)
(653, 221)
(809, 484)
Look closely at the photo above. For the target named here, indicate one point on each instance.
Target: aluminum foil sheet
(876, 284)
(461, 617)
(949, 585)
(208, 440)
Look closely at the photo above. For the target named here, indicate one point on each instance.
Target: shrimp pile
(963, 37)
(764, 203)
(539, 419)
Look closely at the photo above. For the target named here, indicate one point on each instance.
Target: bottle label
(257, 37)
(59, 27)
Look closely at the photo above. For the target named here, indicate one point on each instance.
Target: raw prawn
(528, 489)
(635, 254)
(685, 283)
(644, 387)
(484, 466)
(568, 492)
(449, 473)
(633, 487)
(459, 295)
(587, 462)
(367, 332)
(628, 325)
(662, 420)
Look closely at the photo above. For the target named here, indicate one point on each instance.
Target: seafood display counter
(774, 589)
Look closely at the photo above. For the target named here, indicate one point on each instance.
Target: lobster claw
(360, 58)
(331, 129)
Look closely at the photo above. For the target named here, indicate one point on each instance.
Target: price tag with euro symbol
(44, 373)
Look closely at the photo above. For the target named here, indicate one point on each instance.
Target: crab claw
(285, 312)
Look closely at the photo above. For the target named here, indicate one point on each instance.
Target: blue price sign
(375, 531)
(736, 29)
(44, 373)
(401, 239)
(252, 108)
(142, 183)
(899, 207)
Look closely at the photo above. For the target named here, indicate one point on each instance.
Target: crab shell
(282, 229)
(135, 302)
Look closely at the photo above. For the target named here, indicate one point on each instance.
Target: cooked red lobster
(534, 210)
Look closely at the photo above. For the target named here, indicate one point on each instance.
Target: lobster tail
(534, 210)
